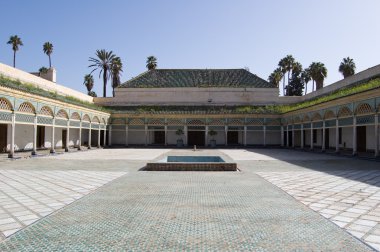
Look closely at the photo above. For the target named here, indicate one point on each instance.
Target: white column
(245, 135)
(225, 135)
(354, 142)
(52, 149)
(324, 136)
(80, 136)
(265, 135)
(293, 142)
(99, 135)
(126, 135)
(146, 135)
(311, 136)
(67, 136)
(185, 132)
(89, 137)
(376, 135)
(34, 152)
(282, 136)
(206, 136)
(287, 135)
(12, 145)
(336, 135)
(110, 135)
(166, 135)
(302, 137)
(104, 135)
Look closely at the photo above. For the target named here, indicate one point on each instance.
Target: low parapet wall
(16, 74)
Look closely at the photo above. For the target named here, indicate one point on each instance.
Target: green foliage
(92, 93)
(347, 67)
(358, 88)
(212, 132)
(179, 132)
(151, 62)
(43, 70)
(29, 88)
(296, 85)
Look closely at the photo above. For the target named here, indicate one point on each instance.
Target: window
(340, 135)
(315, 135)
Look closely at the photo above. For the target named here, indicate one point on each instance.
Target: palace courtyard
(101, 200)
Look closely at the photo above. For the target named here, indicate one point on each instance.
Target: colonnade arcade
(29, 125)
(352, 127)
(195, 130)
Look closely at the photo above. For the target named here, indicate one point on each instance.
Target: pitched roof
(172, 78)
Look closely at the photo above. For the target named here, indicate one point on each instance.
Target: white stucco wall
(172, 138)
(190, 96)
(136, 137)
(370, 134)
(347, 137)
(73, 137)
(273, 137)
(255, 137)
(23, 137)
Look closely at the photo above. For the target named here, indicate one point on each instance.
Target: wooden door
(361, 138)
(40, 136)
(196, 138)
(3, 137)
(64, 138)
(159, 137)
(233, 137)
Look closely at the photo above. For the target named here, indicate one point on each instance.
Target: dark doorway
(196, 138)
(304, 138)
(40, 136)
(102, 138)
(159, 137)
(290, 138)
(285, 138)
(3, 137)
(233, 137)
(361, 138)
(64, 138)
(327, 138)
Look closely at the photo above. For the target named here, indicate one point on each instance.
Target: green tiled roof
(172, 78)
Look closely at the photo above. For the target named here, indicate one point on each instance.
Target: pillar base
(354, 154)
(10, 155)
(89, 147)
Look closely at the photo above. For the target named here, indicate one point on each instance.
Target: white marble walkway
(27, 196)
(350, 199)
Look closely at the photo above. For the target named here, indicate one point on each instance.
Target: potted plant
(212, 133)
(179, 133)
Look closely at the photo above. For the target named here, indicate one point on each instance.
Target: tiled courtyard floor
(172, 211)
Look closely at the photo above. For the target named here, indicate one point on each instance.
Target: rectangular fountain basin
(191, 163)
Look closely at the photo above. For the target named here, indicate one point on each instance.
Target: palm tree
(151, 62)
(289, 60)
(15, 41)
(286, 65)
(88, 82)
(48, 50)
(347, 67)
(116, 69)
(297, 68)
(276, 77)
(103, 63)
(305, 75)
(318, 73)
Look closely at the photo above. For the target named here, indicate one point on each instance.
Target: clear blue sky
(191, 34)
